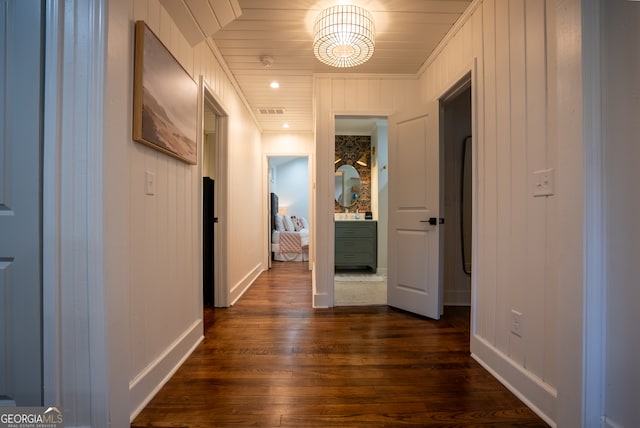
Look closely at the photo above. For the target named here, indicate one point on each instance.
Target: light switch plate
(544, 182)
(149, 183)
(517, 323)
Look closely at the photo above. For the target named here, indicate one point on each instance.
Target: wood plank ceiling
(407, 31)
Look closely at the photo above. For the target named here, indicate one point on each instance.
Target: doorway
(289, 210)
(456, 184)
(209, 217)
(360, 210)
(213, 134)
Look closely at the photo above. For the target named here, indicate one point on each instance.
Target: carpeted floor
(358, 289)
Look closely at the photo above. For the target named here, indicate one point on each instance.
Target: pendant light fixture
(344, 36)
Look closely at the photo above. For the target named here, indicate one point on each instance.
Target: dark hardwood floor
(273, 361)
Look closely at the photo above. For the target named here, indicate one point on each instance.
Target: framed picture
(165, 99)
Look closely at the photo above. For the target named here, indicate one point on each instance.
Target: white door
(414, 205)
(20, 148)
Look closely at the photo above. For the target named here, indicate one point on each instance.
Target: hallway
(273, 361)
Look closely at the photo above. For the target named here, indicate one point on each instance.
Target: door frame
(73, 203)
(461, 85)
(467, 78)
(209, 97)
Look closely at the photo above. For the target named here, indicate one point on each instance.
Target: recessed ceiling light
(275, 85)
(285, 125)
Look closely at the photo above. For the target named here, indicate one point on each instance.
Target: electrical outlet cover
(544, 182)
(517, 323)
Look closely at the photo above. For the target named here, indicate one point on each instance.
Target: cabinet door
(356, 244)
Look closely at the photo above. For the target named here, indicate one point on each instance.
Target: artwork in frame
(165, 99)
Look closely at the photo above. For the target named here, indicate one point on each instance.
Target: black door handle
(215, 219)
(433, 221)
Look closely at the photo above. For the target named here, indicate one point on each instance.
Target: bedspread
(290, 242)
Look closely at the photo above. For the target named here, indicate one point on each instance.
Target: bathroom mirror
(347, 188)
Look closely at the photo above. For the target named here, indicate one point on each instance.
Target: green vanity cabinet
(356, 244)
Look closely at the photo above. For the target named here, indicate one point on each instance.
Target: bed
(289, 235)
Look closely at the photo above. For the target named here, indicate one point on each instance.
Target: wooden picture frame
(165, 99)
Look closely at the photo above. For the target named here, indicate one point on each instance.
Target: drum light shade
(344, 36)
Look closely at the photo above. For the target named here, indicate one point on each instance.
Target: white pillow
(279, 223)
(297, 222)
(305, 223)
(288, 224)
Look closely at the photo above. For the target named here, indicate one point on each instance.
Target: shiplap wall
(515, 256)
(164, 229)
(364, 95)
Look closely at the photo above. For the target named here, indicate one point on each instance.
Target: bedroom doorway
(289, 209)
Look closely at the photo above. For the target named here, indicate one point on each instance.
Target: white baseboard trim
(149, 381)
(318, 300)
(540, 397)
(243, 285)
(321, 300)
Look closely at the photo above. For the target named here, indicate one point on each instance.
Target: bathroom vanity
(356, 244)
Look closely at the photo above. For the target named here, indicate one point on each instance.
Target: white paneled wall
(247, 236)
(164, 229)
(504, 44)
(164, 267)
(362, 95)
(287, 143)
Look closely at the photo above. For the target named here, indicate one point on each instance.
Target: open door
(21, 74)
(414, 211)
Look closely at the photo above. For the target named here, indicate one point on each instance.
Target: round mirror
(347, 186)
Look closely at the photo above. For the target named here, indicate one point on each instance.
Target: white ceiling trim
(450, 34)
(199, 19)
(227, 71)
